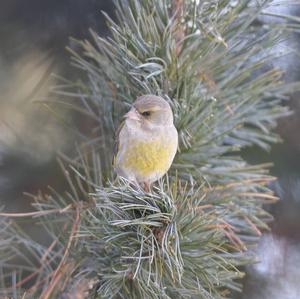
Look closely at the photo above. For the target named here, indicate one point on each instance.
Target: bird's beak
(133, 114)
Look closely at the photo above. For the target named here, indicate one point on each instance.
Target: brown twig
(253, 226)
(31, 275)
(229, 231)
(179, 31)
(260, 195)
(38, 213)
(261, 181)
(58, 272)
(235, 240)
(69, 207)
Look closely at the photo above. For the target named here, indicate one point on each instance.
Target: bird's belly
(148, 158)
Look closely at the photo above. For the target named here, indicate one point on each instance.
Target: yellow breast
(147, 157)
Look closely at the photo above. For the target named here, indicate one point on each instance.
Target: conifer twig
(179, 29)
(59, 270)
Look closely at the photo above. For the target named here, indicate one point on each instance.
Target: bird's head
(151, 111)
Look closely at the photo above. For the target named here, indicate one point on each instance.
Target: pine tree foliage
(190, 236)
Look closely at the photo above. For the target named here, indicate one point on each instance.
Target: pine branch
(191, 236)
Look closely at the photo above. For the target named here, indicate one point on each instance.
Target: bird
(146, 142)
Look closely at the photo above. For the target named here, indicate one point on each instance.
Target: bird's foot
(146, 186)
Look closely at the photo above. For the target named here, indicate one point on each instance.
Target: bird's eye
(146, 113)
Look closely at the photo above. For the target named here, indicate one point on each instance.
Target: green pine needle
(190, 236)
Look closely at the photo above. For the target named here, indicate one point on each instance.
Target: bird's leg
(146, 186)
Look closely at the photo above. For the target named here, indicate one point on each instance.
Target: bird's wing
(117, 142)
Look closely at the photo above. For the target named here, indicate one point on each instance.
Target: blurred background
(33, 36)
